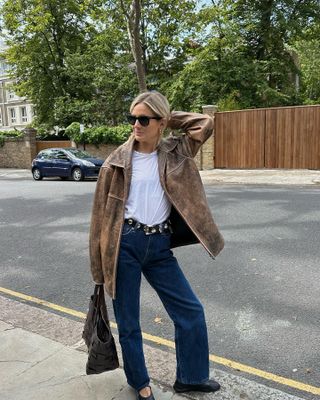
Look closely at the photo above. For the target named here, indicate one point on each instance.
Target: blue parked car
(65, 163)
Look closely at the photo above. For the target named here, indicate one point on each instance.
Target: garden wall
(19, 152)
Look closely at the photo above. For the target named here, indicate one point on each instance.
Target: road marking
(168, 343)
(45, 303)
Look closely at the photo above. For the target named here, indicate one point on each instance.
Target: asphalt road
(261, 295)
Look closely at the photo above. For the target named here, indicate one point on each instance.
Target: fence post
(207, 150)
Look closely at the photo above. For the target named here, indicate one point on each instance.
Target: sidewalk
(220, 176)
(262, 176)
(34, 366)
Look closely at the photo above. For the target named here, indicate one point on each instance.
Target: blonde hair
(156, 101)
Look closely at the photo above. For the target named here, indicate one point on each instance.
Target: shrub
(9, 134)
(99, 135)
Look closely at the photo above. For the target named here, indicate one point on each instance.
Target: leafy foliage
(308, 52)
(99, 135)
(246, 59)
(9, 134)
(68, 65)
(73, 59)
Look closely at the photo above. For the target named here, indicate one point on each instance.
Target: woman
(149, 199)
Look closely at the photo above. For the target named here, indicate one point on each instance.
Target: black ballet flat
(207, 387)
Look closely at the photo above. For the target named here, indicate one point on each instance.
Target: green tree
(269, 27)
(168, 32)
(308, 52)
(132, 15)
(221, 71)
(77, 60)
(73, 58)
(246, 58)
(158, 35)
(43, 39)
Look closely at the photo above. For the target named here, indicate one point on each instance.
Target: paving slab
(40, 368)
(34, 367)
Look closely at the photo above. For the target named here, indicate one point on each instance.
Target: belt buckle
(149, 230)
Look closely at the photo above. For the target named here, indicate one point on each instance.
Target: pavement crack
(67, 380)
(116, 396)
(88, 386)
(9, 329)
(38, 362)
(45, 381)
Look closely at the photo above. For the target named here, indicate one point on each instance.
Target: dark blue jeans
(151, 255)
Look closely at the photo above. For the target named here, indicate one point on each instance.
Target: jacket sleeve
(99, 204)
(197, 127)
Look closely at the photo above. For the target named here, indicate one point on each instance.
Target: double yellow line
(168, 343)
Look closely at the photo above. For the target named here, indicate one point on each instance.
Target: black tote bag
(102, 352)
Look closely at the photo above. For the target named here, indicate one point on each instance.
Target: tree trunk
(133, 26)
(265, 29)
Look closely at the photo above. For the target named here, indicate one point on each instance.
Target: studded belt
(150, 229)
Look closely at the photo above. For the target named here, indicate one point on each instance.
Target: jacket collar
(122, 156)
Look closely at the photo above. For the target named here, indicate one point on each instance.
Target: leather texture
(102, 352)
(191, 218)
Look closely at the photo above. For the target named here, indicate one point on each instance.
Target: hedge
(9, 134)
(99, 135)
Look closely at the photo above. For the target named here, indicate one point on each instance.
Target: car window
(50, 154)
(59, 154)
(62, 155)
(80, 153)
(43, 155)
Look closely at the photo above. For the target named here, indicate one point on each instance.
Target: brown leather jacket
(191, 217)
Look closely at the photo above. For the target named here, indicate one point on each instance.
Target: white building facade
(15, 112)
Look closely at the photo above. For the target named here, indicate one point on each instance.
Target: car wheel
(77, 175)
(36, 173)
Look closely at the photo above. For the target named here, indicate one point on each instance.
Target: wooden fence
(46, 144)
(286, 137)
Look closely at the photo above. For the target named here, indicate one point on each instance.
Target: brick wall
(19, 152)
(205, 157)
(101, 152)
(207, 154)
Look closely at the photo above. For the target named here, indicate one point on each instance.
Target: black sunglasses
(144, 120)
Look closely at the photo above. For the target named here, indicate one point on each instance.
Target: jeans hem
(138, 388)
(191, 382)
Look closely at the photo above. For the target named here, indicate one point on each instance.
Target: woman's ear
(163, 124)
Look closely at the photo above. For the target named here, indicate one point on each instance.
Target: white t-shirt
(147, 202)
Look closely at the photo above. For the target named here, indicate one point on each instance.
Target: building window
(11, 95)
(24, 116)
(4, 68)
(13, 116)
